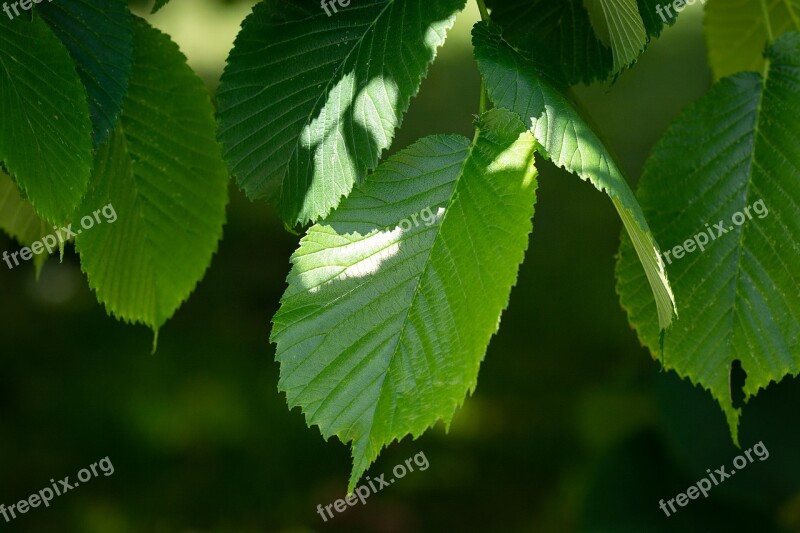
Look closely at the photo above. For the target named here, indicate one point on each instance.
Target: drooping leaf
(162, 172)
(514, 82)
(736, 32)
(619, 26)
(393, 299)
(302, 119)
(728, 168)
(561, 33)
(45, 132)
(20, 221)
(99, 37)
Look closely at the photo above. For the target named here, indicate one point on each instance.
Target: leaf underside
(393, 299)
(619, 26)
(515, 82)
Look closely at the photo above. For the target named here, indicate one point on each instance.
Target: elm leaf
(20, 221)
(728, 168)
(514, 82)
(304, 119)
(45, 134)
(162, 172)
(393, 299)
(99, 37)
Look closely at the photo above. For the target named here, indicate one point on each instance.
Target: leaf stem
(483, 10)
(484, 96)
(767, 21)
(770, 35)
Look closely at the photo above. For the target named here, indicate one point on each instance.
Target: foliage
(734, 149)
(398, 286)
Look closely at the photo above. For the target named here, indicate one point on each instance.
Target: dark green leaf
(162, 173)
(99, 38)
(308, 102)
(727, 172)
(560, 33)
(45, 133)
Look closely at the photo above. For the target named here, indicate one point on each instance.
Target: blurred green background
(572, 426)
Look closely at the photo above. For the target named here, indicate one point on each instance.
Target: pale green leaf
(45, 133)
(514, 82)
(308, 102)
(618, 25)
(393, 299)
(162, 171)
(736, 32)
(730, 163)
(20, 221)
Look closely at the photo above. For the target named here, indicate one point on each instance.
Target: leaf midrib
(739, 248)
(420, 277)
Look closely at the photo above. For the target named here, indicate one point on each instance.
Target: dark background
(572, 426)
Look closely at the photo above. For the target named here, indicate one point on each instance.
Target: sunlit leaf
(393, 299)
(309, 100)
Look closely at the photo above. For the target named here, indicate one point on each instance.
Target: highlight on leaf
(516, 82)
(392, 300)
(304, 120)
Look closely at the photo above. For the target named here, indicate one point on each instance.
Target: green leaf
(582, 48)
(619, 26)
(736, 32)
(657, 14)
(733, 152)
(158, 5)
(514, 82)
(99, 37)
(393, 299)
(308, 102)
(19, 220)
(163, 174)
(45, 133)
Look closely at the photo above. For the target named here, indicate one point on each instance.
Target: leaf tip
(155, 340)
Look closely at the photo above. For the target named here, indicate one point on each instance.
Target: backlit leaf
(393, 299)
